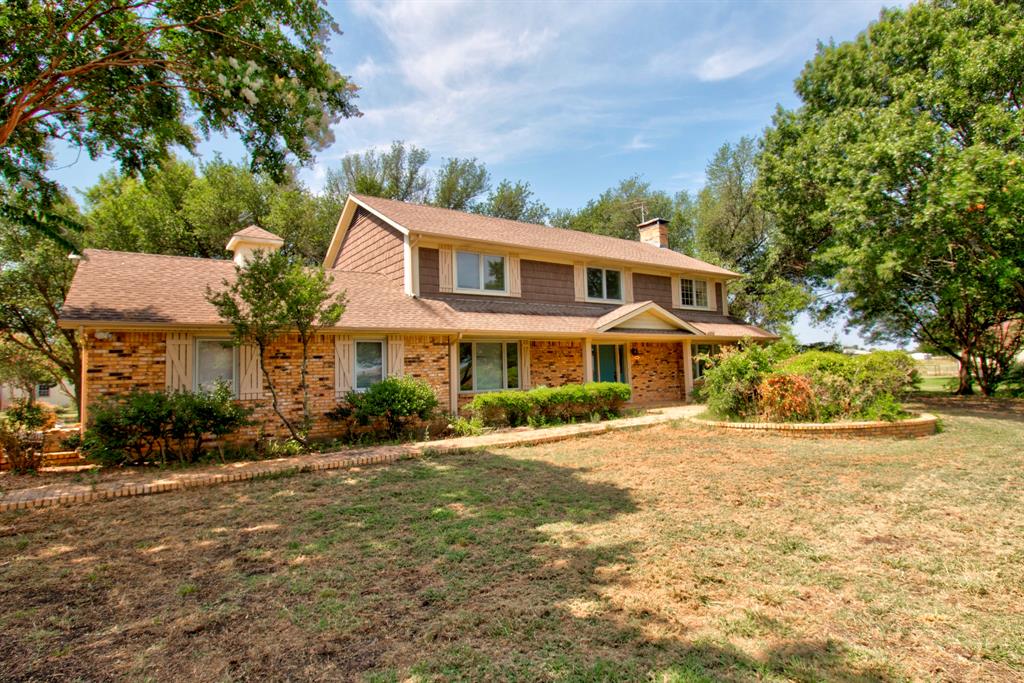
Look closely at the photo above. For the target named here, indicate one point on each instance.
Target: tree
(133, 80)
(35, 275)
(732, 230)
(515, 202)
(459, 182)
(25, 368)
(177, 210)
(399, 173)
(270, 296)
(899, 179)
(620, 209)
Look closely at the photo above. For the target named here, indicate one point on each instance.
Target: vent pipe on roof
(654, 232)
(249, 240)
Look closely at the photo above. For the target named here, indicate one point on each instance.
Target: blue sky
(571, 97)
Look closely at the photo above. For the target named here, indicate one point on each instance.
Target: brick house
(467, 303)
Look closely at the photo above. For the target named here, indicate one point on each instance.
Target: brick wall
(554, 363)
(426, 358)
(656, 372)
(125, 361)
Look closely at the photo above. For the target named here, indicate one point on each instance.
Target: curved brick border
(925, 424)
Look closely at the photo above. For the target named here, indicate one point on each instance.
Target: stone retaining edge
(925, 424)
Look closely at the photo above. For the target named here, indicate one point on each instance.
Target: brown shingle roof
(112, 287)
(446, 223)
(255, 231)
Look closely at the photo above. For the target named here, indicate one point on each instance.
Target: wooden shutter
(396, 355)
(712, 295)
(342, 365)
(677, 296)
(724, 299)
(579, 273)
(524, 364)
(515, 277)
(627, 286)
(250, 372)
(445, 270)
(179, 361)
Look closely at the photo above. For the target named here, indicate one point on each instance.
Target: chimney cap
(652, 221)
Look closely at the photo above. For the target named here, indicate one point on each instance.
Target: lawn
(672, 554)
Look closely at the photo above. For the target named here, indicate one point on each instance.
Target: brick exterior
(426, 358)
(553, 363)
(656, 371)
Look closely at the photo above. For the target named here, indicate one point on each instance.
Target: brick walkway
(71, 493)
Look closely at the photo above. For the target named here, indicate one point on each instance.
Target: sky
(572, 96)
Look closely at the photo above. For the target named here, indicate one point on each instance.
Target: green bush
(550, 405)
(395, 400)
(1012, 385)
(883, 407)
(32, 417)
(732, 379)
(158, 426)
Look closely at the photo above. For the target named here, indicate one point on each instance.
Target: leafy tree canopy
(901, 176)
(133, 80)
(515, 202)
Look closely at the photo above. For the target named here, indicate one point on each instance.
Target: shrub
(1012, 384)
(461, 426)
(548, 405)
(785, 398)
(149, 425)
(395, 400)
(732, 380)
(32, 417)
(883, 407)
(23, 452)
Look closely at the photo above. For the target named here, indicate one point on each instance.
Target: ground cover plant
(674, 554)
(754, 382)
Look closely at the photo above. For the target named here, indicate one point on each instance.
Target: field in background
(672, 554)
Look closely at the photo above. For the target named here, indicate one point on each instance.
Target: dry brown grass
(672, 554)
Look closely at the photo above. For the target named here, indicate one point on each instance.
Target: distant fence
(939, 367)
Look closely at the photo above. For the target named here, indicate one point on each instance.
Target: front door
(609, 362)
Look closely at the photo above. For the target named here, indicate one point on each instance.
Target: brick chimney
(654, 232)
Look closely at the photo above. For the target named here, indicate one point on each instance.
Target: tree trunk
(966, 379)
(273, 401)
(303, 374)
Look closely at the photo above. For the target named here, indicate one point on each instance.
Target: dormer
(249, 240)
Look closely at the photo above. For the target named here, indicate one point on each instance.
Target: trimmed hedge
(395, 400)
(566, 403)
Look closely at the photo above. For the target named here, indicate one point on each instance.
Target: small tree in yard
(272, 295)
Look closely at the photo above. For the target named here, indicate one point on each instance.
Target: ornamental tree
(900, 179)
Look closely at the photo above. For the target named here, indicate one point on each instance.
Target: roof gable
(642, 315)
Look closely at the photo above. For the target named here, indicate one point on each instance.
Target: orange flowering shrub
(787, 398)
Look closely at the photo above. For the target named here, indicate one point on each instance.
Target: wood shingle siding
(656, 288)
(429, 282)
(372, 246)
(547, 282)
(719, 298)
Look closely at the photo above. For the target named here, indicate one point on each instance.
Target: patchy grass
(943, 385)
(673, 554)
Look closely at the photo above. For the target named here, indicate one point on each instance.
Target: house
(53, 395)
(467, 303)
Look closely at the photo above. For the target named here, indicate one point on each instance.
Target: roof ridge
(147, 253)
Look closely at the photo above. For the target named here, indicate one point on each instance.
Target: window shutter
(627, 286)
(580, 281)
(342, 365)
(724, 299)
(712, 295)
(515, 278)
(179, 361)
(445, 274)
(250, 374)
(396, 355)
(524, 364)
(677, 297)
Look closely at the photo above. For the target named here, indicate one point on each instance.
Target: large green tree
(134, 79)
(733, 230)
(900, 178)
(398, 173)
(459, 182)
(513, 201)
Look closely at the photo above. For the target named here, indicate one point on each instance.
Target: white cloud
(736, 61)
(637, 143)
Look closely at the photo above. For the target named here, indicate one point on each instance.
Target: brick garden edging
(925, 424)
(68, 494)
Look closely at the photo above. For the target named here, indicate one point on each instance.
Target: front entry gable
(642, 315)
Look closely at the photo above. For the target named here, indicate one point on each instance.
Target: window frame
(504, 364)
(621, 362)
(697, 366)
(43, 390)
(481, 272)
(355, 361)
(604, 284)
(234, 363)
(707, 295)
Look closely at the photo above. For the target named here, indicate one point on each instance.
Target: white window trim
(604, 285)
(707, 293)
(504, 365)
(195, 362)
(482, 254)
(355, 360)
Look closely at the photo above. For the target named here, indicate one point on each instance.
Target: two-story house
(467, 303)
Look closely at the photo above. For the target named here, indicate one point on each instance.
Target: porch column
(453, 374)
(687, 370)
(588, 368)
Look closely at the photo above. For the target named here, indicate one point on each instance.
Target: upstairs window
(216, 363)
(604, 284)
(693, 293)
(479, 272)
(488, 366)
